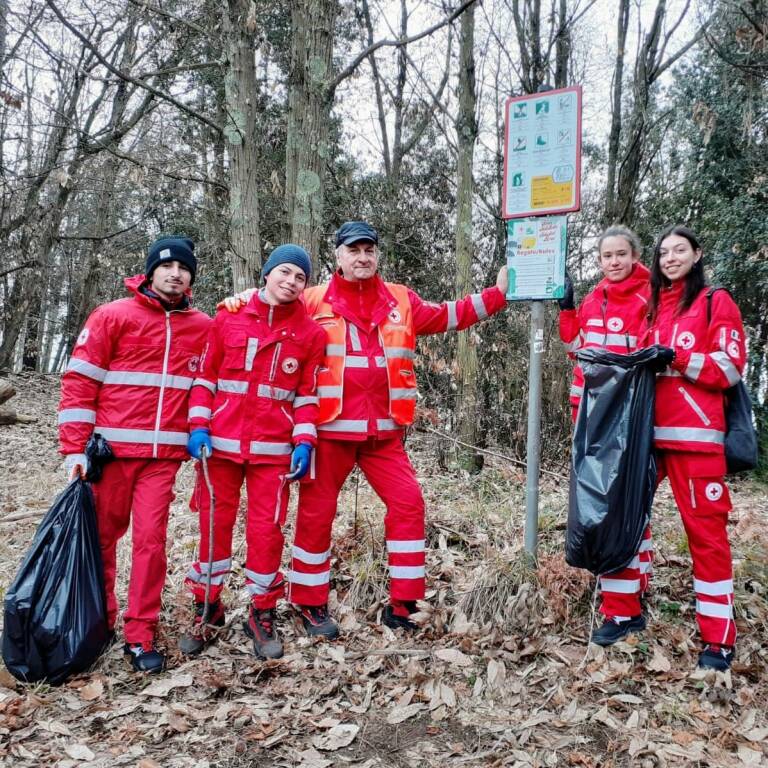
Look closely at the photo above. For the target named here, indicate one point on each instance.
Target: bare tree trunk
(309, 106)
(614, 137)
(466, 131)
(240, 135)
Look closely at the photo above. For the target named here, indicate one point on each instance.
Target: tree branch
(128, 78)
(366, 52)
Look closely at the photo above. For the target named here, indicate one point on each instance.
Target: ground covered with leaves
(500, 674)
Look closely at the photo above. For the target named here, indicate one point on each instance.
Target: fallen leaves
(341, 735)
(163, 686)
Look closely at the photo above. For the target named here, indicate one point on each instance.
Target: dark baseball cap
(354, 231)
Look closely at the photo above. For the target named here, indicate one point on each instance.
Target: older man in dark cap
(367, 397)
(129, 379)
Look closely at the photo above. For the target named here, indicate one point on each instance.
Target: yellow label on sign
(528, 243)
(546, 193)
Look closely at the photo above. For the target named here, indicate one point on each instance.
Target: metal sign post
(542, 179)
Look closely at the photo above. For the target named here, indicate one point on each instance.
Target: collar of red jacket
(134, 285)
(638, 281)
(366, 300)
(257, 306)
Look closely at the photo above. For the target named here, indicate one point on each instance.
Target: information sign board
(542, 154)
(536, 251)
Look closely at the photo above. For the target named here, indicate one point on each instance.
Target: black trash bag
(740, 434)
(613, 468)
(55, 609)
(98, 453)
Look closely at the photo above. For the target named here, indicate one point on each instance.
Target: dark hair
(619, 230)
(694, 280)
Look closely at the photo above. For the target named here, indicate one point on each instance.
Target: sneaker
(193, 642)
(612, 630)
(142, 659)
(397, 615)
(716, 656)
(317, 622)
(260, 627)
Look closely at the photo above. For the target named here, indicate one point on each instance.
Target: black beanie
(172, 248)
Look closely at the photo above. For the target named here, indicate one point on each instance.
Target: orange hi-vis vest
(398, 341)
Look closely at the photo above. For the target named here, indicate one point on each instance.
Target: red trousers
(703, 500)
(388, 469)
(267, 508)
(138, 492)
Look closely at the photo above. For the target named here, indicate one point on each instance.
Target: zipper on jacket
(270, 315)
(626, 338)
(604, 312)
(695, 406)
(163, 379)
(219, 409)
(275, 357)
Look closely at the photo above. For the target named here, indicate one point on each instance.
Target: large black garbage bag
(55, 609)
(613, 470)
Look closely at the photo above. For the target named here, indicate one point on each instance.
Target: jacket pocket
(695, 407)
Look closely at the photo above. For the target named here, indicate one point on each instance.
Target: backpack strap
(710, 293)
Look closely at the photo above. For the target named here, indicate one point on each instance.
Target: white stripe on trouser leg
(713, 588)
(714, 610)
(310, 558)
(283, 481)
(646, 545)
(259, 583)
(199, 578)
(416, 545)
(406, 571)
(645, 566)
(309, 579)
(635, 562)
(620, 586)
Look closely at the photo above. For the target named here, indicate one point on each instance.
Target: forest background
(246, 123)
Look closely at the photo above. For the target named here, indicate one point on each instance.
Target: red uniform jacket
(609, 317)
(709, 357)
(129, 377)
(365, 305)
(257, 389)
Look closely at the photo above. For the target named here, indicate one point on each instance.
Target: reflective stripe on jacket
(709, 358)
(129, 377)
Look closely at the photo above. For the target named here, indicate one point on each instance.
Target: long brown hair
(694, 280)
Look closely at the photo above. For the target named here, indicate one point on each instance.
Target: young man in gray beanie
(129, 379)
(253, 411)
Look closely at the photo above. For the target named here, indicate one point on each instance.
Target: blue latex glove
(300, 459)
(199, 439)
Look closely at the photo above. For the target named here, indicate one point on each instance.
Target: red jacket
(709, 357)
(257, 387)
(609, 317)
(366, 305)
(129, 377)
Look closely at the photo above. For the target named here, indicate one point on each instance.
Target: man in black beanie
(129, 379)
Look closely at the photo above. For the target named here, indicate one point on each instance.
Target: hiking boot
(317, 622)
(144, 659)
(193, 642)
(260, 627)
(397, 615)
(716, 656)
(612, 630)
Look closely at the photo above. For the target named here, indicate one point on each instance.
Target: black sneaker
(317, 622)
(191, 643)
(260, 627)
(716, 656)
(143, 659)
(612, 631)
(397, 621)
